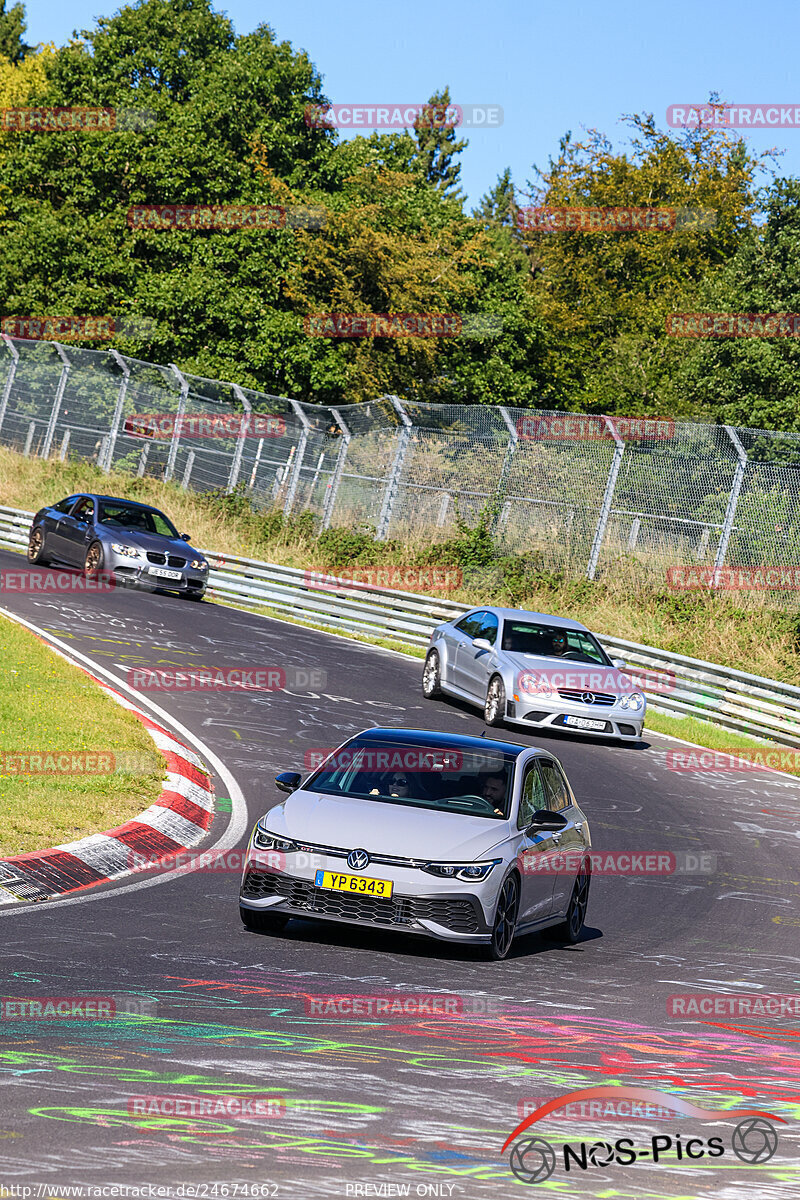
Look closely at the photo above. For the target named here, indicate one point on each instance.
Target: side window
(488, 628)
(85, 510)
(64, 505)
(471, 624)
(533, 796)
(558, 796)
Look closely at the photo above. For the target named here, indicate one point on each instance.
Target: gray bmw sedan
(135, 543)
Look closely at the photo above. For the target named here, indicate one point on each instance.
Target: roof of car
(523, 614)
(119, 500)
(445, 741)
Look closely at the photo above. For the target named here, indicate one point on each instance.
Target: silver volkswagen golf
(460, 838)
(533, 669)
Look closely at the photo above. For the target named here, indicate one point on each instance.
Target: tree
(12, 28)
(437, 146)
(499, 205)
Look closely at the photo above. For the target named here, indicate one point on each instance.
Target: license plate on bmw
(335, 882)
(162, 574)
(584, 723)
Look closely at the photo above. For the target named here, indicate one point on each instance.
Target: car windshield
(450, 779)
(130, 516)
(552, 641)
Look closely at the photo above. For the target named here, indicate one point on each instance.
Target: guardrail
(733, 699)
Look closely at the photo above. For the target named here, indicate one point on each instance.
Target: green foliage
(12, 29)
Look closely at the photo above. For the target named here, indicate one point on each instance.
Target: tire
(93, 562)
(36, 549)
(432, 677)
(505, 919)
(262, 922)
(494, 708)
(570, 929)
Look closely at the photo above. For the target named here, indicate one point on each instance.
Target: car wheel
(36, 551)
(495, 707)
(505, 919)
(432, 676)
(570, 929)
(93, 562)
(262, 922)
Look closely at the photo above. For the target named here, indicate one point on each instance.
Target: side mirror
(288, 781)
(186, 537)
(543, 821)
(619, 663)
(481, 644)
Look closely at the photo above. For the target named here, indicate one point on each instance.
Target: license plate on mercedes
(335, 882)
(584, 723)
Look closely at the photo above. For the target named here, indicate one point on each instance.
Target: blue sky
(552, 67)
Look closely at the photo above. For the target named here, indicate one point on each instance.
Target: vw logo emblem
(588, 697)
(358, 859)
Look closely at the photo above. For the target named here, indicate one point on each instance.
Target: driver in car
(559, 644)
(493, 788)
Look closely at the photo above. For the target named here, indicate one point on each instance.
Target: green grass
(47, 705)
(713, 737)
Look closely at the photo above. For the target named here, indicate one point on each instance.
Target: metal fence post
(505, 470)
(62, 387)
(236, 465)
(119, 408)
(187, 470)
(298, 458)
(64, 446)
(608, 497)
(733, 500)
(338, 470)
(176, 435)
(9, 383)
(393, 482)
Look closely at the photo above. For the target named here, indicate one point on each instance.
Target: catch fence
(586, 495)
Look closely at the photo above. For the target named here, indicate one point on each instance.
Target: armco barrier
(733, 699)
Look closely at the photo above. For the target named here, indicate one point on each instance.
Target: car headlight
(467, 871)
(128, 551)
(635, 701)
(263, 840)
(199, 564)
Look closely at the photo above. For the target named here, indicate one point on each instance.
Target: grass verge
(47, 705)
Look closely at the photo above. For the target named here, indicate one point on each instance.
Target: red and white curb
(179, 819)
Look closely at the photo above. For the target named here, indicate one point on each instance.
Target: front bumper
(538, 712)
(449, 916)
(140, 573)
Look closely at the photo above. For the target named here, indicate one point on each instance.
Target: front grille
(627, 729)
(599, 697)
(458, 915)
(164, 560)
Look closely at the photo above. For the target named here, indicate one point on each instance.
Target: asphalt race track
(372, 1106)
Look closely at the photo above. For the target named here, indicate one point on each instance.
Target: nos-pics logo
(534, 1159)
